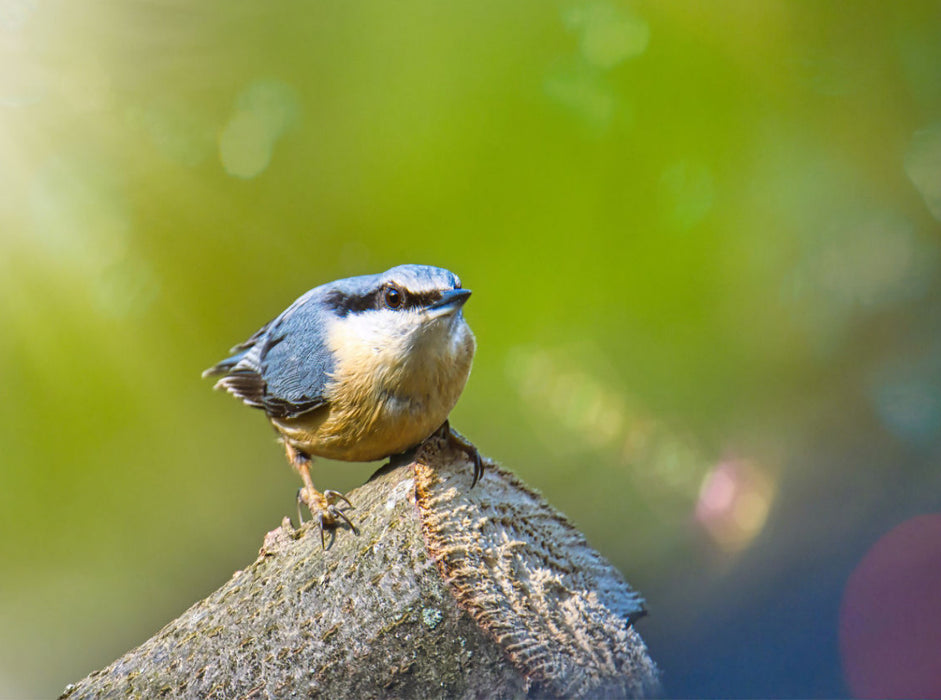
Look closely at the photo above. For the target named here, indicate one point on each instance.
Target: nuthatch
(358, 369)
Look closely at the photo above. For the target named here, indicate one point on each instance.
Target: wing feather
(284, 367)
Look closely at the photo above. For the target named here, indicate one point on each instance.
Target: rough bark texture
(444, 591)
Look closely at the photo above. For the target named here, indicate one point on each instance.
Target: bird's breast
(388, 392)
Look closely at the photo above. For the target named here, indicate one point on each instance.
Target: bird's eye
(393, 297)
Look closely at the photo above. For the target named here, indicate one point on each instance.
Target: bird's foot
(324, 509)
(464, 445)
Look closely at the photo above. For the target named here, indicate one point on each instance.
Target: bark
(443, 591)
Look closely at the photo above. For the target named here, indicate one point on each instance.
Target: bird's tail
(223, 367)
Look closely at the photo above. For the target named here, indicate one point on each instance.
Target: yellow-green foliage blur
(702, 237)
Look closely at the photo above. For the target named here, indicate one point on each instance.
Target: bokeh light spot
(244, 146)
(718, 492)
(562, 392)
(608, 35)
(890, 618)
(866, 260)
(907, 398)
(15, 13)
(583, 92)
(734, 501)
(923, 166)
(78, 213)
(580, 401)
(175, 131)
(275, 103)
(263, 112)
(687, 193)
(871, 261)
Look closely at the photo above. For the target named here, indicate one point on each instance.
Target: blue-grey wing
(284, 367)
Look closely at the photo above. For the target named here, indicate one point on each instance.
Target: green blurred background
(703, 239)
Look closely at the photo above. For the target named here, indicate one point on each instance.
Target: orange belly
(356, 436)
(384, 396)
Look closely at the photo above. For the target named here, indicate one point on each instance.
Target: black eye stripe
(417, 301)
(343, 304)
(410, 300)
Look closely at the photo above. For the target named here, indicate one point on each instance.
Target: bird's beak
(450, 302)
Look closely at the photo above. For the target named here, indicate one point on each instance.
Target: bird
(358, 369)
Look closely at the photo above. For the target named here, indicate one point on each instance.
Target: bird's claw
(324, 509)
(478, 468)
(467, 447)
(332, 496)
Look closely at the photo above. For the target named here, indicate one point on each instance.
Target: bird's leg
(464, 445)
(323, 506)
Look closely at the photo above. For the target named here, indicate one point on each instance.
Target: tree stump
(442, 591)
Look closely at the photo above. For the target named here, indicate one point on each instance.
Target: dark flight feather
(282, 373)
